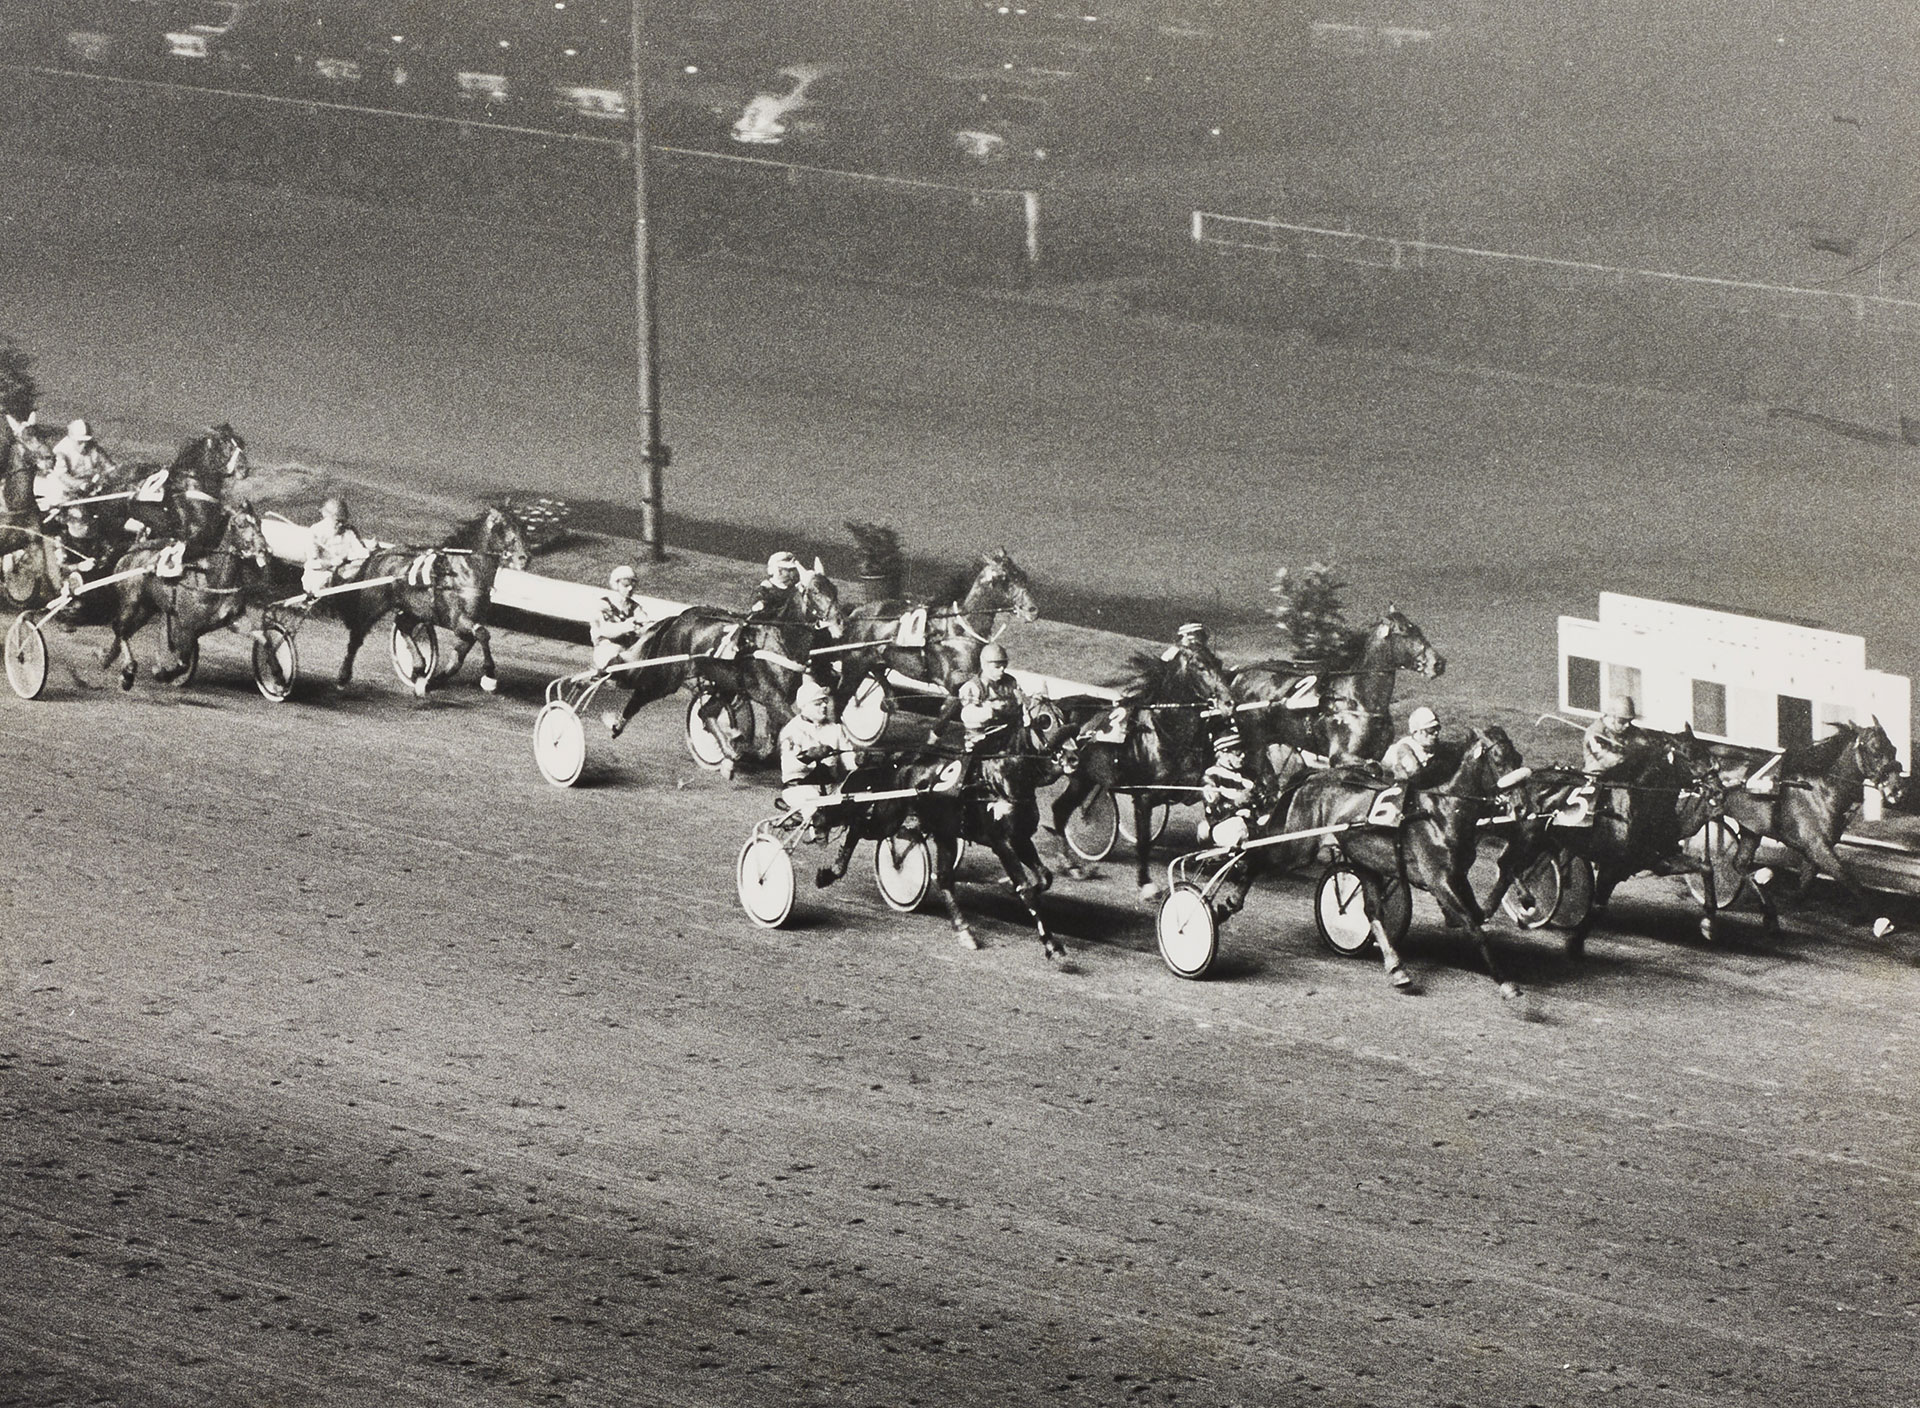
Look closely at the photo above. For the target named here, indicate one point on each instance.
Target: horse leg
(1821, 856)
(1150, 891)
(827, 874)
(946, 854)
(1079, 788)
(357, 629)
(1457, 903)
(489, 677)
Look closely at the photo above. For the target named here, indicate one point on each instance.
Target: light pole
(654, 455)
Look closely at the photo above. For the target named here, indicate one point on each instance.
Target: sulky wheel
(276, 664)
(1340, 911)
(903, 870)
(1189, 934)
(22, 574)
(1092, 827)
(710, 746)
(416, 654)
(763, 876)
(559, 743)
(1534, 896)
(1156, 821)
(26, 657)
(1576, 891)
(1716, 842)
(865, 717)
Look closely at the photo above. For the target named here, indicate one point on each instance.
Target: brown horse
(1821, 786)
(192, 505)
(954, 631)
(727, 656)
(211, 592)
(1642, 813)
(1166, 749)
(449, 586)
(1353, 715)
(995, 806)
(32, 556)
(1432, 848)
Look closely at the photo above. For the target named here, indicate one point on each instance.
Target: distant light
(570, 53)
(506, 43)
(1006, 65)
(399, 38)
(691, 68)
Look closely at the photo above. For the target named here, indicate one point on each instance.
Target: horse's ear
(819, 567)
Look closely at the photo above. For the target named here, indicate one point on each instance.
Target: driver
(619, 625)
(1603, 747)
(79, 464)
(813, 748)
(1411, 754)
(337, 551)
(1229, 791)
(774, 596)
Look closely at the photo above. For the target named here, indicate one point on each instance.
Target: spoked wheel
(1156, 821)
(1189, 934)
(1576, 892)
(1716, 842)
(1340, 912)
(416, 654)
(1535, 895)
(559, 743)
(26, 657)
(903, 869)
(865, 717)
(189, 665)
(276, 663)
(710, 748)
(1092, 827)
(22, 574)
(764, 878)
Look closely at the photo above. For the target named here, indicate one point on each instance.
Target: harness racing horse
(207, 594)
(1432, 848)
(731, 656)
(996, 806)
(449, 586)
(953, 633)
(1353, 717)
(192, 502)
(1642, 813)
(1821, 786)
(1166, 746)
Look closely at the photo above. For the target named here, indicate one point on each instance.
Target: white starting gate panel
(1749, 680)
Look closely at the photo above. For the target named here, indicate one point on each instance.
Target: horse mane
(1811, 759)
(1154, 679)
(963, 578)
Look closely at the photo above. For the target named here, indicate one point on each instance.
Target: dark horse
(1166, 704)
(1432, 849)
(191, 502)
(448, 586)
(995, 806)
(1353, 717)
(1643, 811)
(209, 593)
(1821, 786)
(723, 653)
(954, 631)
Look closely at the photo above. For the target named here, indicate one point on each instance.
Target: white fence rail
(1279, 237)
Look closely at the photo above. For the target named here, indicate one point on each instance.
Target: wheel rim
(559, 744)
(708, 748)
(1093, 827)
(1340, 912)
(403, 645)
(20, 575)
(275, 664)
(865, 717)
(1189, 937)
(903, 870)
(26, 658)
(764, 878)
(1576, 892)
(1532, 899)
(1717, 840)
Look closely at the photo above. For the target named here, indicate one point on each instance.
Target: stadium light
(654, 454)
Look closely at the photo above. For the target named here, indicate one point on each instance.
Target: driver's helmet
(784, 568)
(1228, 742)
(1422, 719)
(80, 432)
(1193, 633)
(993, 653)
(622, 576)
(812, 694)
(1621, 710)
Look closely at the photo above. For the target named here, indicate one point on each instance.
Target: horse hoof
(1762, 876)
(1509, 991)
(1053, 948)
(1882, 927)
(824, 877)
(1079, 872)
(966, 938)
(490, 683)
(1706, 927)
(420, 686)
(1151, 895)
(1400, 979)
(727, 768)
(1576, 945)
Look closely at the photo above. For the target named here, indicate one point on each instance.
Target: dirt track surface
(348, 1062)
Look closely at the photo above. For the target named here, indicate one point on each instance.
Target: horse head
(1405, 645)
(216, 455)
(1878, 760)
(1000, 584)
(500, 535)
(1490, 764)
(819, 600)
(244, 535)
